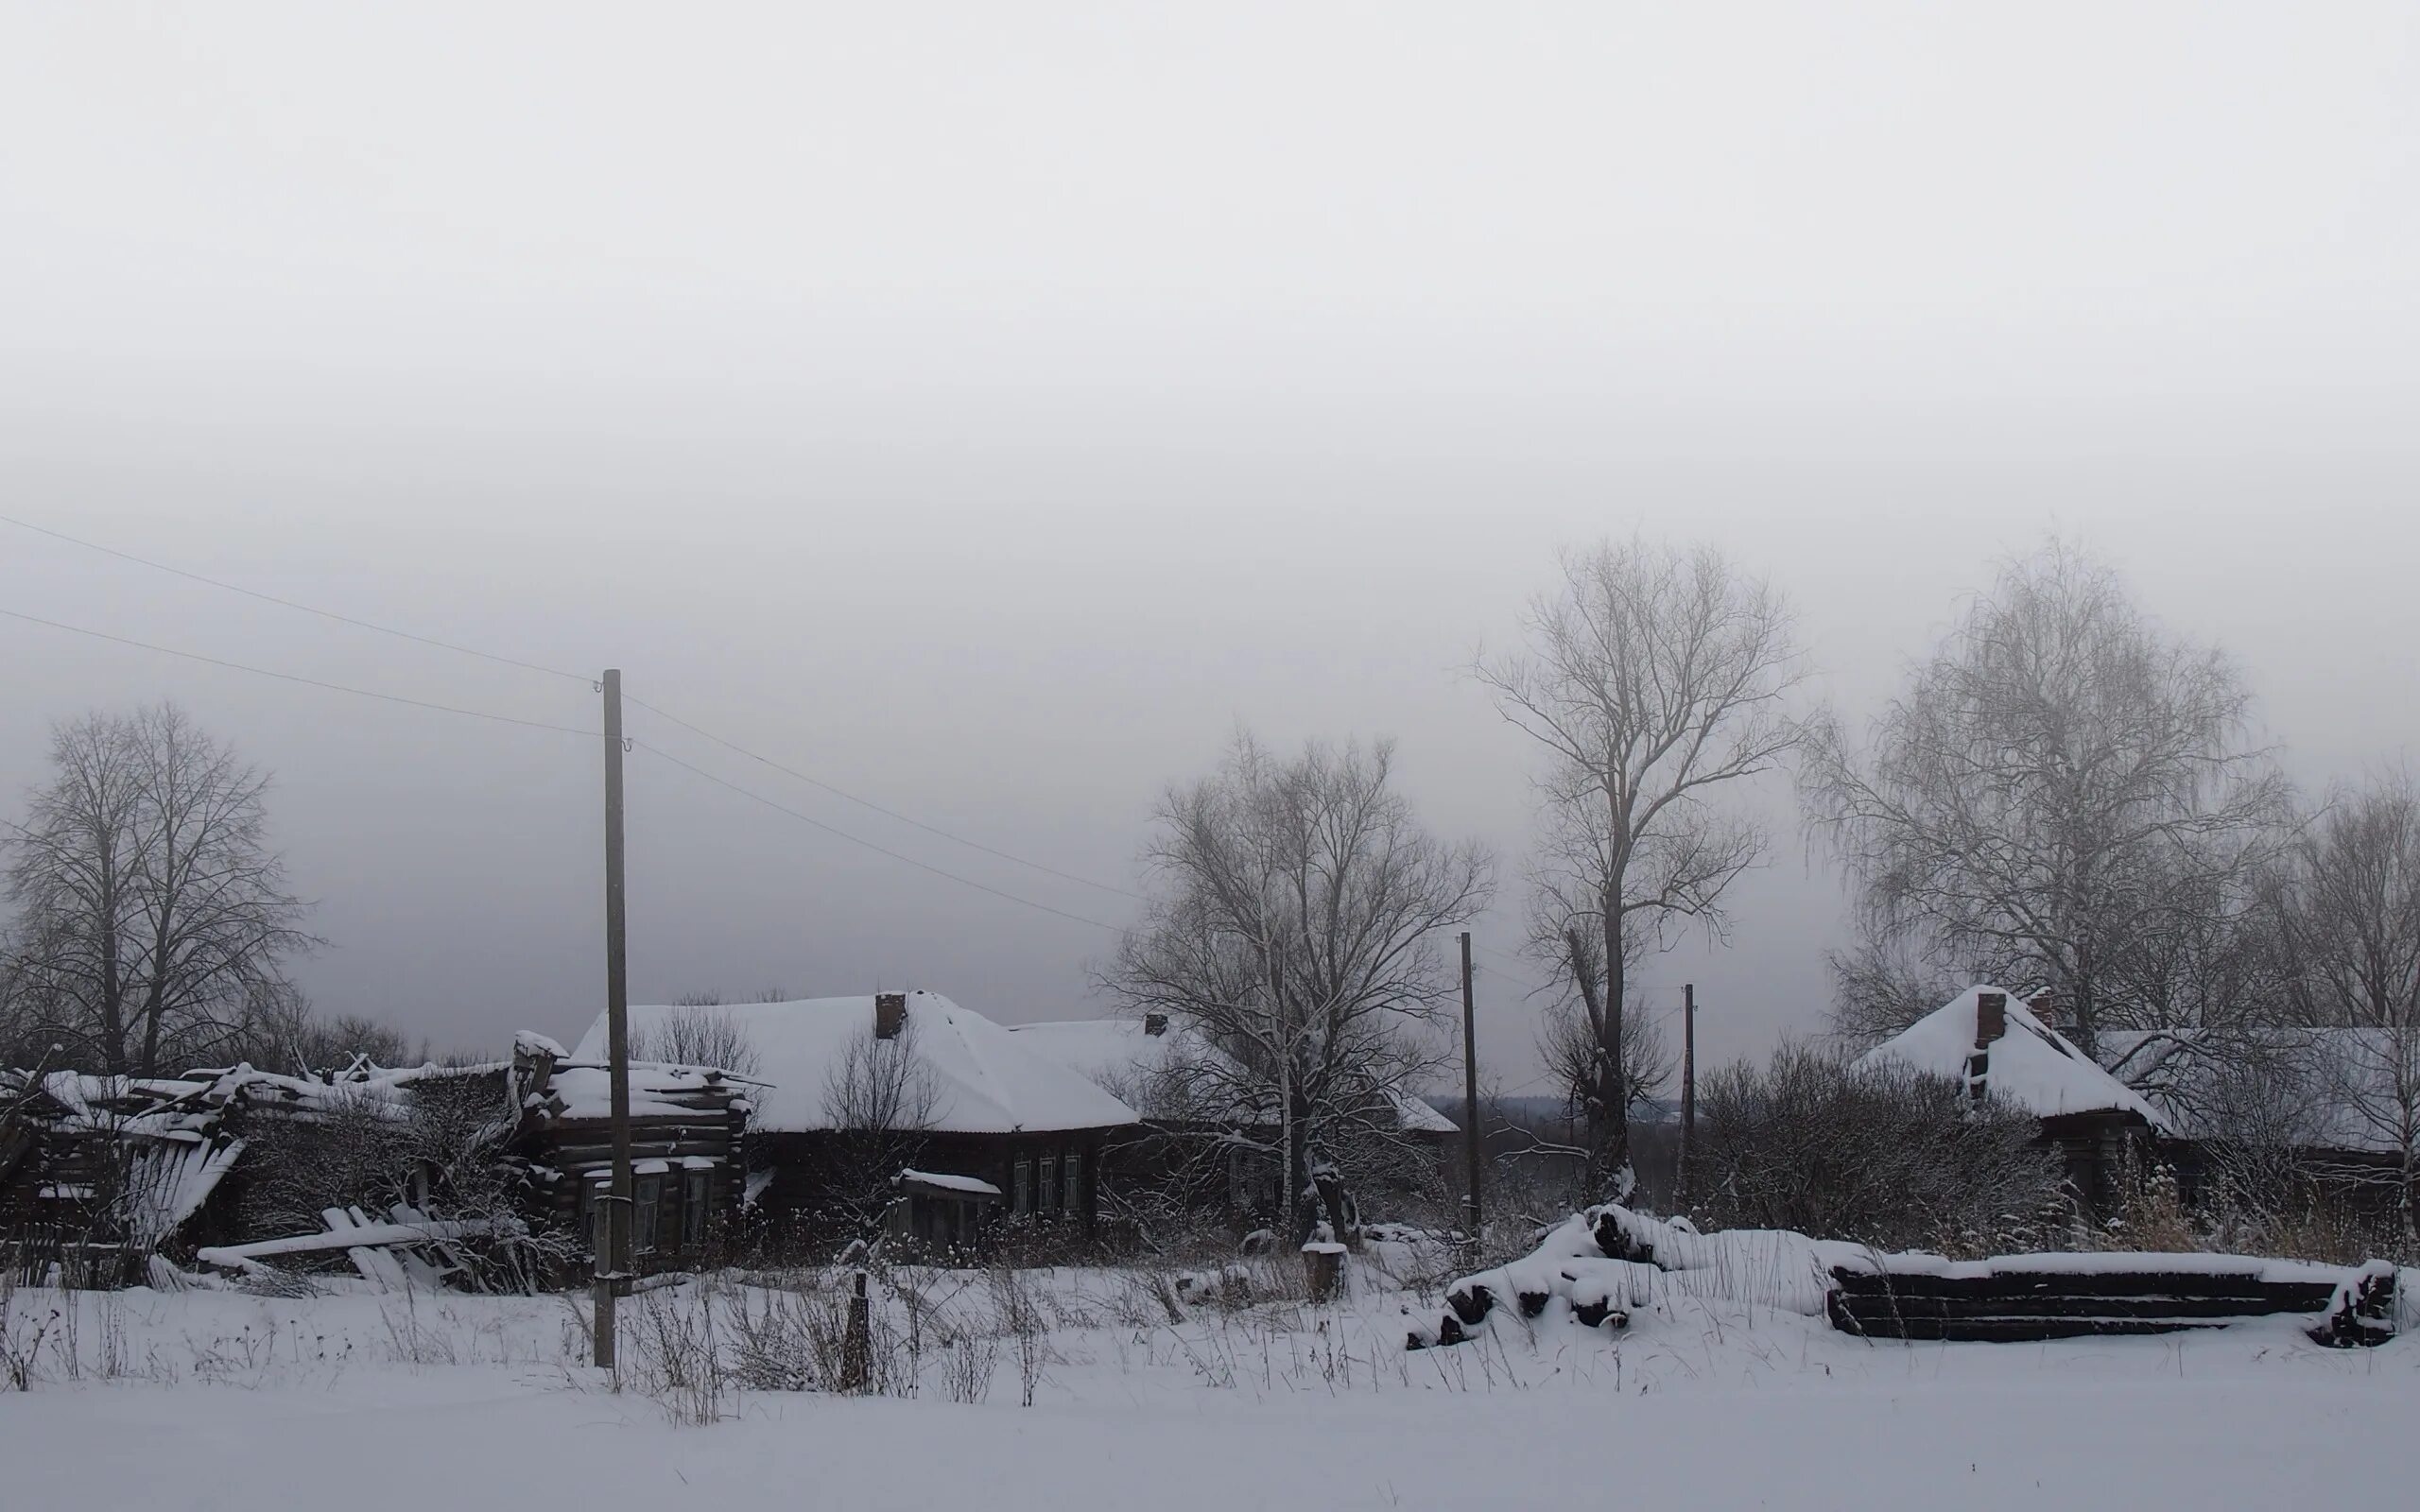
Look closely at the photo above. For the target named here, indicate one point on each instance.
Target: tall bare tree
(2062, 794)
(1564, 932)
(2355, 933)
(1655, 678)
(151, 915)
(1296, 925)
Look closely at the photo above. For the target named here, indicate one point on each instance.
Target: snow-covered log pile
(1599, 1267)
(2018, 1298)
(1602, 1265)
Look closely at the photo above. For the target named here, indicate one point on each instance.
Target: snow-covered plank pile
(387, 1254)
(2028, 1297)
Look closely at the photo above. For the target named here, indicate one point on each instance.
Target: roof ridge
(993, 1092)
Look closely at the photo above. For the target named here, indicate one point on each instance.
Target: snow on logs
(1599, 1267)
(2025, 1299)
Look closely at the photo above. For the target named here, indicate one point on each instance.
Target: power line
(1512, 977)
(859, 840)
(888, 812)
(288, 603)
(574, 676)
(294, 677)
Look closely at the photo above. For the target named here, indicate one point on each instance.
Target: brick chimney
(1155, 1024)
(1991, 1017)
(2044, 1004)
(890, 1014)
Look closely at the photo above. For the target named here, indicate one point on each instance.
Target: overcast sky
(988, 409)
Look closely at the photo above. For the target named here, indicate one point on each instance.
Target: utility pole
(614, 1248)
(1470, 1091)
(1688, 1077)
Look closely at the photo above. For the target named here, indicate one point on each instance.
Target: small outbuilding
(1999, 1048)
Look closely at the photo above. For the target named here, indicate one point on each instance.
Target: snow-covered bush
(1882, 1155)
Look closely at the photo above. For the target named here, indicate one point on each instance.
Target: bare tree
(699, 1032)
(282, 1034)
(1296, 926)
(1653, 677)
(2355, 934)
(151, 915)
(881, 1098)
(1571, 1035)
(2063, 794)
(1880, 985)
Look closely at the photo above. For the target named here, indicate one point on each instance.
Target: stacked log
(2011, 1301)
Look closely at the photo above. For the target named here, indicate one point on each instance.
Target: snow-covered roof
(2030, 1066)
(657, 1091)
(985, 1081)
(944, 1181)
(1120, 1054)
(1147, 1071)
(1415, 1116)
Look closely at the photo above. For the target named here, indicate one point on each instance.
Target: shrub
(1885, 1155)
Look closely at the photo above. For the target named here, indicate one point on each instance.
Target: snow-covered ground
(211, 1400)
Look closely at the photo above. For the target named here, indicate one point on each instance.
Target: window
(593, 1207)
(649, 1202)
(1047, 1196)
(1021, 1188)
(1074, 1202)
(693, 1209)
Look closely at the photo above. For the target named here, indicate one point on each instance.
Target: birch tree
(1297, 924)
(151, 915)
(1655, 680)
(2063, 794)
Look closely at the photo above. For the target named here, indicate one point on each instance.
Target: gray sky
(986, 410)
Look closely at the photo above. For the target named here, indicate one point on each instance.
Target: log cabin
(1999, 1047)
(901, 1112)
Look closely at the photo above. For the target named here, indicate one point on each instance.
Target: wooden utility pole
(613, 1249)
(1688, 1077)
(1470, 1091)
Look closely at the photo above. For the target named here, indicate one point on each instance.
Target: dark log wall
(2014, 1305)
(802, 1169)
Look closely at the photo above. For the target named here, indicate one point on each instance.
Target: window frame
(647, 1210)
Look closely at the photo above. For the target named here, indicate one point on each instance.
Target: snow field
(1247, 1399)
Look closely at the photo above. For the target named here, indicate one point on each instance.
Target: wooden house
(1999, 1048)
(1205, 1137)
(99, 1172)
(686, 1127)
(906, 1113)
(2332, 1108)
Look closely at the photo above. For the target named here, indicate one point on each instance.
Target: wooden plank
(2026, 1329)
(2269, 1296)
(2113, 1307)
(377, 1267)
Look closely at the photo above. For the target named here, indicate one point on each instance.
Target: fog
(987, 411)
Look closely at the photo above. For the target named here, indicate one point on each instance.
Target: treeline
(2064, 796)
